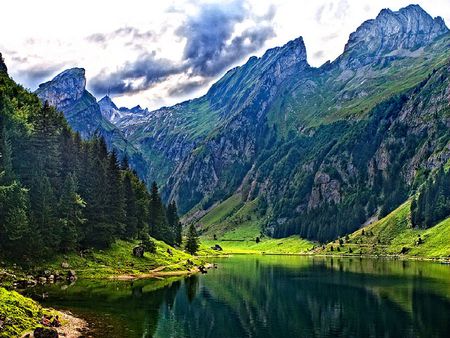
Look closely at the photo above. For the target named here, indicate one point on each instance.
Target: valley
(284, 186)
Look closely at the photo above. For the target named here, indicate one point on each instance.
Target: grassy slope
(19, 314)
(236, 226)
(289, 245)
(117, 260)
(394, 233)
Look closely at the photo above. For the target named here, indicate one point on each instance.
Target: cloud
(187, 87)
(212, 44)
(135, 76)
(37, 74)
(127, 32)
(319, 54)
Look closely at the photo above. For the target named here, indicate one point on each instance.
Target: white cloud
(41, 38)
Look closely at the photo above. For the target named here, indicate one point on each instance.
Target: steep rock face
(222, 161)
(65, 89)
(109, 109)
(408, 29)
(120, 117)
(67, 92)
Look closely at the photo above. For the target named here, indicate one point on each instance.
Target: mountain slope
(309, 140)
(394, 235)
(315, 151)
(67, 92)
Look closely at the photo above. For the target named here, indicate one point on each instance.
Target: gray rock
(138, 251)
(407, 29)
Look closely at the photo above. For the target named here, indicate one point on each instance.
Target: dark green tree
(192, 240)
(70, 209)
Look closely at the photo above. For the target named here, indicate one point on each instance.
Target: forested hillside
(59, 193)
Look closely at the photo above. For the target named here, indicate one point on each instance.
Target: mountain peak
(409, 28)
(292, 52)
(64, 88)
(106, 101)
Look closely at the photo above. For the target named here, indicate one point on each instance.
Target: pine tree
(15, 229)
(70, 207)
(125, 165)
(115, 203)
(174, 223)
(192, 241)
(5, 155)
(131, 220)
(42, 201)
(157, 219)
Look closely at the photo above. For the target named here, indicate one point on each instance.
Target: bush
(149, 245)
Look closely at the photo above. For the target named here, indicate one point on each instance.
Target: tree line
(432, 202)
(59, 193)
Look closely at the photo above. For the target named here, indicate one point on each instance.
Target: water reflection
(270, 296)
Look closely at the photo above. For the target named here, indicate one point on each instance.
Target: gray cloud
(187, 87)
(319, 13)
(330, 37)
(208, 48)
(211, 48)
(128, 32)
(319, 54)
(147, 68)
(37, 74)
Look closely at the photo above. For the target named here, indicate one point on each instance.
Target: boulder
(71, 275)
(21, 284)
(45, 332)
(42, 280)
(65, 265)
(138, 251)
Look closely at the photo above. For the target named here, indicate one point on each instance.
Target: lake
(270, 296)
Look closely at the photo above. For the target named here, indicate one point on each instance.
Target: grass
(115, 261)
(221, 212)
(289, 245)
(235, 226)
(394, 236)
(19, 314)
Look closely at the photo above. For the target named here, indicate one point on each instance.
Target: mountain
(306, 150)
(67, 92)
(120, 116)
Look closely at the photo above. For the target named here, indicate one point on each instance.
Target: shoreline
(442, 260)
(72, 327)
(159, 273)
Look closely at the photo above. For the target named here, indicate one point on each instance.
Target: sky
(155, 53)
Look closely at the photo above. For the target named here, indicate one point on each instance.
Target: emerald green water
(271, 296)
